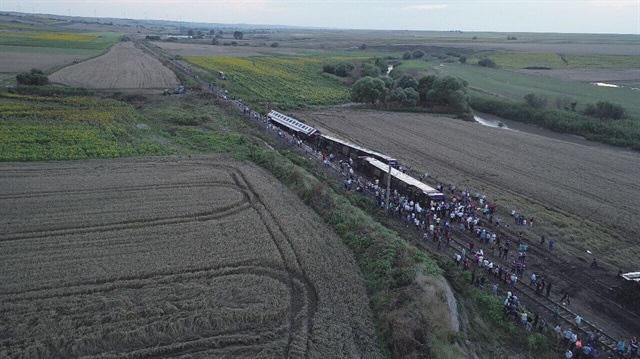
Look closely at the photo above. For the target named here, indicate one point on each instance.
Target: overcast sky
(581, 16)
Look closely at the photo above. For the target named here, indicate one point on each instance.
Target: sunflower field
(288, 82)
(40, 128)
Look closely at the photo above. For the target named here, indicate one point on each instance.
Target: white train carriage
(401, 181)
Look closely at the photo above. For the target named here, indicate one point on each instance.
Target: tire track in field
(136, 224)
(286, 250)
(214, 343)
(303, 303)
(296, 283)
(141, 188)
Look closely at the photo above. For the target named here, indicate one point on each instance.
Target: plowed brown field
(170, 257)
(123, 67)
(521, 171)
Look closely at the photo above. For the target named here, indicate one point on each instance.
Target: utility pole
(386, 209)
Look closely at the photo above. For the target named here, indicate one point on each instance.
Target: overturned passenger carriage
(292, 125)
(402, 182)
(628, 291)
(350, 150)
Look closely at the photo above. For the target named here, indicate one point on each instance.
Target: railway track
(535, 302)
(539, 303)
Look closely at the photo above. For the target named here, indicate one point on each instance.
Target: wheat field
(195, 258)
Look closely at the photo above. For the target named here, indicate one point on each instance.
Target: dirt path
(123, 67)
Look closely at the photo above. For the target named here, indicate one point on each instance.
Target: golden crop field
(170, 257)
(124, 67)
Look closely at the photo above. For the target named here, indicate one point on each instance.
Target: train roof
(404, 177)
(291, 123)
(634, 276)
(377, 154)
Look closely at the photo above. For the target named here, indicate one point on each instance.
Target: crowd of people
(474, 215)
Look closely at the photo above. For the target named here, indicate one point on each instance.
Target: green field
(95, 42)
(515, 86)
(34, 128)
(521, 60)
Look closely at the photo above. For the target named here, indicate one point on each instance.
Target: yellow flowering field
(59, 40)
(287, 81)
(53, 36)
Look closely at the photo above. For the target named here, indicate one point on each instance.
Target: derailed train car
(628, 291)
(292, 125)
(402, 182)
(350, 150)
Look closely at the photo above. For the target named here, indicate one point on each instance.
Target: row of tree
(373, 68)
(198, 34)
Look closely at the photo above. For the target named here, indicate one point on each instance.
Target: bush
(538, 342)
(407, 81)
(343, 69)
(566, 103)
(406, 55)
(605, 110)
(275, 44)
(35, 77)
(51, 91)
(488, 63)
(418, 54)
(535, 101)
(329, 68)
(369, 69)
